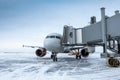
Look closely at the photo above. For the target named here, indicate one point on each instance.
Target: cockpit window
(48, 37)
(53, 37)
(57, 37)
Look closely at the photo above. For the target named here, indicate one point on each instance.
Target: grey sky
(29, 21)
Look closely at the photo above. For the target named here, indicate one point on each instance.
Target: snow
(26, 66)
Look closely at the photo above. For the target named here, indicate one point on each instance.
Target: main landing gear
(78, 56)
(54, 56)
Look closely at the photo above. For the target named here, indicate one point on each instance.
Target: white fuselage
(53, 42)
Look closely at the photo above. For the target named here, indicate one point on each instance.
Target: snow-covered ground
(26, 66)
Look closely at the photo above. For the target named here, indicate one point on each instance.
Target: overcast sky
(29, 21)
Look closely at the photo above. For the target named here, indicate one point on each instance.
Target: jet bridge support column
(118, 46)
(104, 32)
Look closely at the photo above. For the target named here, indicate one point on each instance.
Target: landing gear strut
(78, 56)
(54, 56)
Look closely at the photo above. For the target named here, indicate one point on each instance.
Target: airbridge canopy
(72, 35)
(113, 26)
(92, 33)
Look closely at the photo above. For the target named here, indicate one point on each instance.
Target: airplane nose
(52, 45)
(48, 42)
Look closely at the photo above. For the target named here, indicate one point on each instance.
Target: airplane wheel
(54, 58)
(78, 56)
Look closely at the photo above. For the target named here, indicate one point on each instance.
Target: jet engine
(84, 52)
(41, 52)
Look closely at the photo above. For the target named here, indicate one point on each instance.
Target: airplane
(53, 43)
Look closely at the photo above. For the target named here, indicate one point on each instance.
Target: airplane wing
(32, 46)
(39, 52)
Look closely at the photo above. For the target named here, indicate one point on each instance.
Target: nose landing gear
(54, 56)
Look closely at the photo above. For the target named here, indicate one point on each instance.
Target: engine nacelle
(41, 52)
(84, 52)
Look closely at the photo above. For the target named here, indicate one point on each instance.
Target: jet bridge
(93, 33)
(105, 33)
